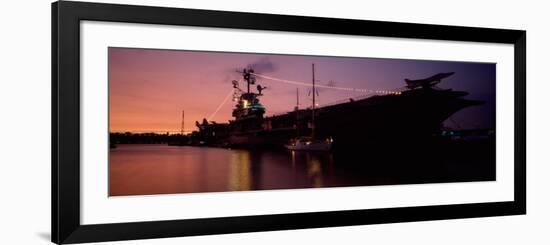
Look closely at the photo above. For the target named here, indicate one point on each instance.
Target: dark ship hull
(409, 116)
(403, 117)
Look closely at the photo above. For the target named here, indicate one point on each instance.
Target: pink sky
(149, 88)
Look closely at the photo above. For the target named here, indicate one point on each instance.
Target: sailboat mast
(297, 109)
(313, 106)
(297, 99)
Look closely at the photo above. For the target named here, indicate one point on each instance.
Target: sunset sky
(149, 88)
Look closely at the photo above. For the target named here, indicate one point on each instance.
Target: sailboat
(310, 143)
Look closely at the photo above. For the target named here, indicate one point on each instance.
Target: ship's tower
(248, 104)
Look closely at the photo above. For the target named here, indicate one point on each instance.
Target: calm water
(162, 169)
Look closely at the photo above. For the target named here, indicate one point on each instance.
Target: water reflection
(159, 169)
(239, 171)
(162, 169)
(314, 170)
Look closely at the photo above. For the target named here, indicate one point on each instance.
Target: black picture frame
(66, 17)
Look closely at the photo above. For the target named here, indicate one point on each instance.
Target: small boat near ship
(309, 143)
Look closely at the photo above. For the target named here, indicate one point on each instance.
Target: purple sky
(149, 88)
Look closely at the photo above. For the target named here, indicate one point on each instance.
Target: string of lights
(359, 90)
(230, 94)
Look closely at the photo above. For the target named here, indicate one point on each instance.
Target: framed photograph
(174, 122)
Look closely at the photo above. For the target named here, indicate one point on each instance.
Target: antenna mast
(182, 121)
(247, 75)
